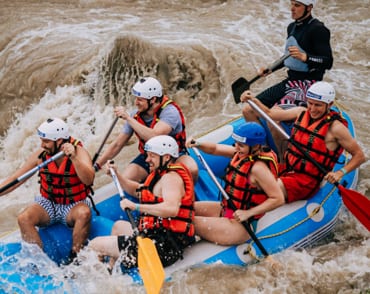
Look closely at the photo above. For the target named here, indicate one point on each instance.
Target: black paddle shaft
(104, 140)
(241, 85)
(247, 226)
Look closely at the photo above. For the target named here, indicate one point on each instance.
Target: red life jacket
(61, 184)
(311, 138)
(183, 222)
(237, 183)
(180, 137)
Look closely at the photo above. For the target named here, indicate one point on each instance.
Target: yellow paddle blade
(150, 266)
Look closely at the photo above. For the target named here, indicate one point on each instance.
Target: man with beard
(64, 186)
(166, 208)
(155, 115)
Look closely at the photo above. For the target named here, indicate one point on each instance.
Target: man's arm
(113, 149)
(83, 164)
(322, 56)
(31, 162)
(344, 139)
(146, 133)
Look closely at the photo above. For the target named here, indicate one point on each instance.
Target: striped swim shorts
(58, 212)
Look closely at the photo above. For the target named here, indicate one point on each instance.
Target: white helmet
(307, 2)
(53, 129)
(147, 88)
(162, 145)
(321, 91)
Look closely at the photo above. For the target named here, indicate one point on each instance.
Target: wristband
(343, 170)
(97, 166)
(137, 207)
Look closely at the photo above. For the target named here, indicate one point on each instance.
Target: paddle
(26, 175)
(97, 166)
(356, 203)
(241, 84)
(104, 140)
(231, 203)
(149, 263)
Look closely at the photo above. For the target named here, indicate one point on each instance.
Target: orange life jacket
(242, 193)
(61, 184)
(311, 138)
(183, 222)
(180, 137)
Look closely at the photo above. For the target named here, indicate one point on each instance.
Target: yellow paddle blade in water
(150, 266)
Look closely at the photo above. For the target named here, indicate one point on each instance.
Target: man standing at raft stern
(308, 44)
(155, 115)
(64, 186)
(166, 208)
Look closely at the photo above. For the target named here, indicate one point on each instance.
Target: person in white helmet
(155, 115)
(166, 207)
(308, 43)
(320, 131)
(64, 186)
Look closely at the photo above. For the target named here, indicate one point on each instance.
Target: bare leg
(34, 215)
(135, 172)
(249, 114)
(191, 165)
(79, 218)
(207, 208)
(120, 228)
(220, 230)
(108, 245)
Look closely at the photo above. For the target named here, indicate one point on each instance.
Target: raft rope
(249, 250)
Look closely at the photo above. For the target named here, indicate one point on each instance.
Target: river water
(78, 59)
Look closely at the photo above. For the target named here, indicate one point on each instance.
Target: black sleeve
(289, 29)
(320, 53)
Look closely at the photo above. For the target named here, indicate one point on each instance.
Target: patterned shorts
(169, 246)
(295, 92)
(58, 212)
